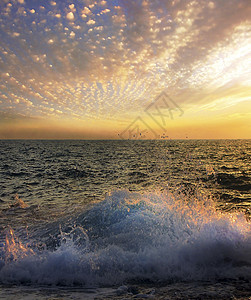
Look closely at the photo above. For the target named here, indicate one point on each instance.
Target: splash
(14, 248)
(132, 237)
(19, 203)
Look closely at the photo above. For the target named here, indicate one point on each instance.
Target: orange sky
(125, 69)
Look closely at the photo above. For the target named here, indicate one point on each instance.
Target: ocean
(123, 219)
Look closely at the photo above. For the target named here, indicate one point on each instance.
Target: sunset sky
(94, 69)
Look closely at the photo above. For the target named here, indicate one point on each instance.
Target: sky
(125, 69)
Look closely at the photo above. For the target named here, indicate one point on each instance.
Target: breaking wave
(130, 237)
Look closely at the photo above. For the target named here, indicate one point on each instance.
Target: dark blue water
(105, 213)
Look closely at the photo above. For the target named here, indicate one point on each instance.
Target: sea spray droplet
(75, 234)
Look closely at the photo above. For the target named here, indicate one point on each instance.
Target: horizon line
(83, 139)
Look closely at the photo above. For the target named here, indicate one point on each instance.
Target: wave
(130, 237)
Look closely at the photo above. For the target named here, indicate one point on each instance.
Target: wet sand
(195, 290)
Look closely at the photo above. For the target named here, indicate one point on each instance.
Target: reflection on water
(59, 175)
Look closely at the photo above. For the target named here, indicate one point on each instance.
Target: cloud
(86, 11)
(72, 7)
(90, 22)
(72, 34)
(105, 11)
(132, 50)
(16, 34)
(70, 16)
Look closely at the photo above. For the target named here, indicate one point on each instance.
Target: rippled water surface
(119, 213)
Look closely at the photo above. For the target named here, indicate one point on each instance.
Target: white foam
(128, 236)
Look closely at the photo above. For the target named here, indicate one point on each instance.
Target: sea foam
(157, 236)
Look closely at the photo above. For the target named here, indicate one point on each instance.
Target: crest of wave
(157, 236)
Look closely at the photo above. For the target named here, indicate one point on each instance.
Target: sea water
(87, 219)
